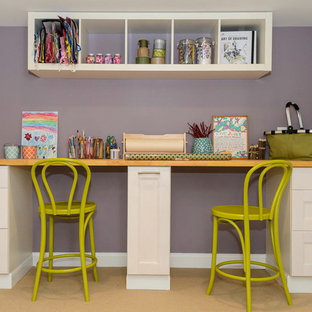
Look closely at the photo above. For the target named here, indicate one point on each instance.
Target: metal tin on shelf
(159, 53)
(186, 51)
(158, 60)
(160, 44)
(143, 52)
(143, 43)
(142, 60)
(204, 50)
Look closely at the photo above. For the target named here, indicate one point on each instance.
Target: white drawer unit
(4, 184)
(296, 229)
(15, 224)
(148, 251)
(301, 179)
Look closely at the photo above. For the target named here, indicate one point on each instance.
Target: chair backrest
(266, 166)
(72, 164)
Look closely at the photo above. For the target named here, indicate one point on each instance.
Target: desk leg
(148, 254)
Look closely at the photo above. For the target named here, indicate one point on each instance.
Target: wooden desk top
(158, 163)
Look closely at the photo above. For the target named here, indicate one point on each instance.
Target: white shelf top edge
(152, 15)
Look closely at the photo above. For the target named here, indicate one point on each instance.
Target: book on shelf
(238, 47)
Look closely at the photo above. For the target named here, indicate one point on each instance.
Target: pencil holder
(11, 151)
(29, 152)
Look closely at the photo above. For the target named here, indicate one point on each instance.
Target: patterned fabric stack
(178, 156)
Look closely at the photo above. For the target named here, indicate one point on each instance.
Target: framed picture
(40, 129)
(231, 135)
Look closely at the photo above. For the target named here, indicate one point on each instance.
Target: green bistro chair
(245, 213)
(69, 209)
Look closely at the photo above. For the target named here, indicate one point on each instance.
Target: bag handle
(296, 107)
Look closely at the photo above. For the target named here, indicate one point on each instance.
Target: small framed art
(231, 135)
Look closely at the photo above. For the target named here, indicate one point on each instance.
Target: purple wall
(110, 107)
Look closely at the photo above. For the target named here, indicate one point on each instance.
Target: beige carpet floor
(109, 294)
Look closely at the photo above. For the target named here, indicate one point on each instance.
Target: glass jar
(99, 59)
(203, 50)
(90, 58)
(108, 59)
(186, 50)
(117, 58)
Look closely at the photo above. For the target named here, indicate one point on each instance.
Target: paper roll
(157, 60)
(155, 145)
(143, 52)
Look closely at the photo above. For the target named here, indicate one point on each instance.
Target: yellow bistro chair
(69, 209)
(234, 213)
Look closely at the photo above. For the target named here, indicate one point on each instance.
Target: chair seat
(236, 212)
(62, 208)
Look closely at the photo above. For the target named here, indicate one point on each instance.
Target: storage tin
(143, 52)
(29, 152)
(142, 60)
(159, 53)
(158, 60)
(11, 151)
(160, 44)
(143, 43)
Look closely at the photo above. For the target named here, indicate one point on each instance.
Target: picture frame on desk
(238, 47)
(231, 135)
(40, 130)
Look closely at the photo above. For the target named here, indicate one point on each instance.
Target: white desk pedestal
(15, 224)
(148, 253)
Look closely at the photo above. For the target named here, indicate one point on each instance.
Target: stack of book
(238, 47)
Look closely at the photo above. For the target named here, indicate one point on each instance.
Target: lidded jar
(186, 51)
(204, 47)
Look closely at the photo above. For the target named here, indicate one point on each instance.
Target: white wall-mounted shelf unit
(120, 32)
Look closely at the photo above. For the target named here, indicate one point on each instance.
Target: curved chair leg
(83, 258)
(92, 247)
(279, 263)
(213, 255)
(41, 256)
(247, 265)
(51, 243)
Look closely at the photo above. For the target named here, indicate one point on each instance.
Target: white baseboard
(7, 281)
(177, 260)
(152, 282)
(299, 284)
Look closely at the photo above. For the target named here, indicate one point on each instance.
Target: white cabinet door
(302, 253)
(4, 252)
(4, 176)
(4, 208)
(301, 210)
(148, 220)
